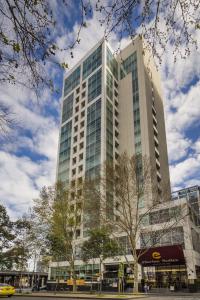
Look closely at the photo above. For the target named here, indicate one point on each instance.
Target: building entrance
(166, 276)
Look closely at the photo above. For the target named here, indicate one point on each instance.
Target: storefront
(163, 267)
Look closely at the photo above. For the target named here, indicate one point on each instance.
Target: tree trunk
(74, 278)
(135, 288)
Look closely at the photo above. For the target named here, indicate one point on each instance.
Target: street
(173, 297)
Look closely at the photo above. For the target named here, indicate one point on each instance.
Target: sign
(166, 255)
(78, 282)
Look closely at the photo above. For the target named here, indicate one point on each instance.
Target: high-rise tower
(111, 105)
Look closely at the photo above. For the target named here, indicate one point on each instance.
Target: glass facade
(67, 108)
(92, 62)
(65, 150)
(130, 65)
(162, 238)
(72, 81)
(87, 272)
(93, 139)
(109, 85)
(112, 63)
(109, 131)
(94, 85)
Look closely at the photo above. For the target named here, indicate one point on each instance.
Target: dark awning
(165, 255)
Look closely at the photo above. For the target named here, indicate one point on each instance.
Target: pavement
(82, 295)
(128, 296)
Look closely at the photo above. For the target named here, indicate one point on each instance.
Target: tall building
(111, 105)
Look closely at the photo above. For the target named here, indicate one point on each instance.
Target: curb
(79, 296)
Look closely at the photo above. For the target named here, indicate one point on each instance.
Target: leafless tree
(122, 197)
(160, 22)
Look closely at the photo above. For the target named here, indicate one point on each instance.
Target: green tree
(59, 210)
(14, 242)
(99, 245)
(6, 238)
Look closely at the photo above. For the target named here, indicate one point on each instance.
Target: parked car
(6, 290)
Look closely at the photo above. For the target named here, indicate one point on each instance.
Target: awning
(166, 255)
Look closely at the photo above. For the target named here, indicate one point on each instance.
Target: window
(82, 124)
(81, 156)
(77, 100)
(116, 84)
(83, 104)
(83, 94)
(73, 172)
(74, 149)
(81, 145)
(67, 108)
(80, 168)
(75, 139)
(92, 62)
(112, 63)
(78, 90)
(94, 86)
(109, 131)
(83, 85)
(72, 81)
(116, 94)
(76, 128)
(82, 114)
(64, 153)
(93, 139)
(82, 134)
(74, 160)
(76, 119)
(109, 85)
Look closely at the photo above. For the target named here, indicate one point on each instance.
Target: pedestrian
(145, 288)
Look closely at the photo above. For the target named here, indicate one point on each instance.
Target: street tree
(14, 242)
(60, 210)
(99, 245)
(128, 193)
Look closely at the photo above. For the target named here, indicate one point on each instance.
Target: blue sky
(28, 156)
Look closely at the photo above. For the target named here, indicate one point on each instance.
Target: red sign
(157, 256)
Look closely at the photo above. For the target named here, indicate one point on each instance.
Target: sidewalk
(83, 295)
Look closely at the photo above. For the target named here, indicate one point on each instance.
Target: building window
(109, 85)
(94, 86)
(83, 104)
(92, 62)
(81, 156)
(78, 90)
(67, 108)
(83, 95)
(76, 119)
(83, 85)
(109, 131)
(80, 168)
(82, 134)
(93, 139)
(75, 139)
(75, 149)
(81, 145)
(77, 100)
(112, 63)
(82, 114)
(72, 81)
(64, 153)
(76, 128)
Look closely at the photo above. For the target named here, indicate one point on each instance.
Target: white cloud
(22, 176)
